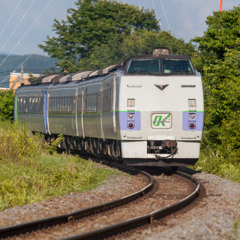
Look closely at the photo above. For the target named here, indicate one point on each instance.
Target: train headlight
(192, 116)
(131, 125)
(192, 125)
(160, 51)
(130, 116)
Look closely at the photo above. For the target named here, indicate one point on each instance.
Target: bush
(16, 142)
(6, 105)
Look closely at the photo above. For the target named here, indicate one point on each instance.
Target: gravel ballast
(211, 218)
(113, 188)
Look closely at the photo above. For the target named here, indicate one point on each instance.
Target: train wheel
(174, 168)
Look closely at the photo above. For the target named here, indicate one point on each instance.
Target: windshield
(144, 66)
(176, 66)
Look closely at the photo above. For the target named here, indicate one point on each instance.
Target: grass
(233, 234)
(47, 176)
(32, 171)
(216, 163)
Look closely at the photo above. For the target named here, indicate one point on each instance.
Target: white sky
(185, 19)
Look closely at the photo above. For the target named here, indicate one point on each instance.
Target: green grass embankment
(28, 173)
(219, 163)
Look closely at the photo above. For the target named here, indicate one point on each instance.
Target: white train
(147, 110)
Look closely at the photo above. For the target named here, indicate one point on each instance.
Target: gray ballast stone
(212, 219)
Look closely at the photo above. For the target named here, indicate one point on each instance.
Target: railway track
(93, 214)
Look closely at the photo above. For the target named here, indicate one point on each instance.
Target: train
(147, 110)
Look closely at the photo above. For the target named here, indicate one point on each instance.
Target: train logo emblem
(161, 120)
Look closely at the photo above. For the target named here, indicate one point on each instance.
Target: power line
(165, 15)
(10, 17)
(169, 8)
(155, 9)
(139, 4)
(8, 70)
(26, 32)
(18, 25)
(24, 60)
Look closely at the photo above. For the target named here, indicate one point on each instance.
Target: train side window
(107, 100)
(40, 105)
(50, 104)
(36, 107)
(58, 104)
(53, 105)
(19, 104)
(24, 105)
(79, 103)
(91, 105)
(30, 104)
(69, 104)
(36, 103)
(63, 104)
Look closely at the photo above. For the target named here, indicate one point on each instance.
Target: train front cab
(161, 118)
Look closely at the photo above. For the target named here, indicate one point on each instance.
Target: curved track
(52, 221)
(145, 219)
(116, 228)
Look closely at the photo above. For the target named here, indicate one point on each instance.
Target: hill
(35, 64)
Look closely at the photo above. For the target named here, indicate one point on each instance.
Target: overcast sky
(25, 23)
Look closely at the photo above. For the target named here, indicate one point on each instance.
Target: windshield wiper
(143, 72)
(178, 72)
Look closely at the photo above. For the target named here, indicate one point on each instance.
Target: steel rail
(142, 220)
(23, 228)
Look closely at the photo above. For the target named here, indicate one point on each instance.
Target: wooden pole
(221, 5)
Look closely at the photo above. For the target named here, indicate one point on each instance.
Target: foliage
(17, 142)
(43, 177)
(94, 23)
(222, 81)
(28, 173)
(31, 78)
(140, 41)
(52, 147)
(218, 61)
(233, 234)
(222, 32)
(212, 161)
(6, 105)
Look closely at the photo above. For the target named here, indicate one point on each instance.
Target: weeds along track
(170, 192)
(20, 229)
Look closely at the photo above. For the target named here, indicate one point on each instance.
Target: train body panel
(163, 114)
(62, 109)
(30, 107)
(148, 110)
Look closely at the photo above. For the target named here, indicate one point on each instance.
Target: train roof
(159, 53)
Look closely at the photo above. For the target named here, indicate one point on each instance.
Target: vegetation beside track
(31, 171)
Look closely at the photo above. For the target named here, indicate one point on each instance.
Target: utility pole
(221, 5)
(21, 81)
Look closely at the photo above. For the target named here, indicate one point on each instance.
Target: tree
(218, 61)
(140, 41)
(222, 32)
(6, 105)
(31, 78)
(93, 23)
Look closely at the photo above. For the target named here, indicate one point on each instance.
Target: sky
(25, 23)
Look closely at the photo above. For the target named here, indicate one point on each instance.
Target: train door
(84, 100)
(109, 107)
(16, 106)
(45, 108)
